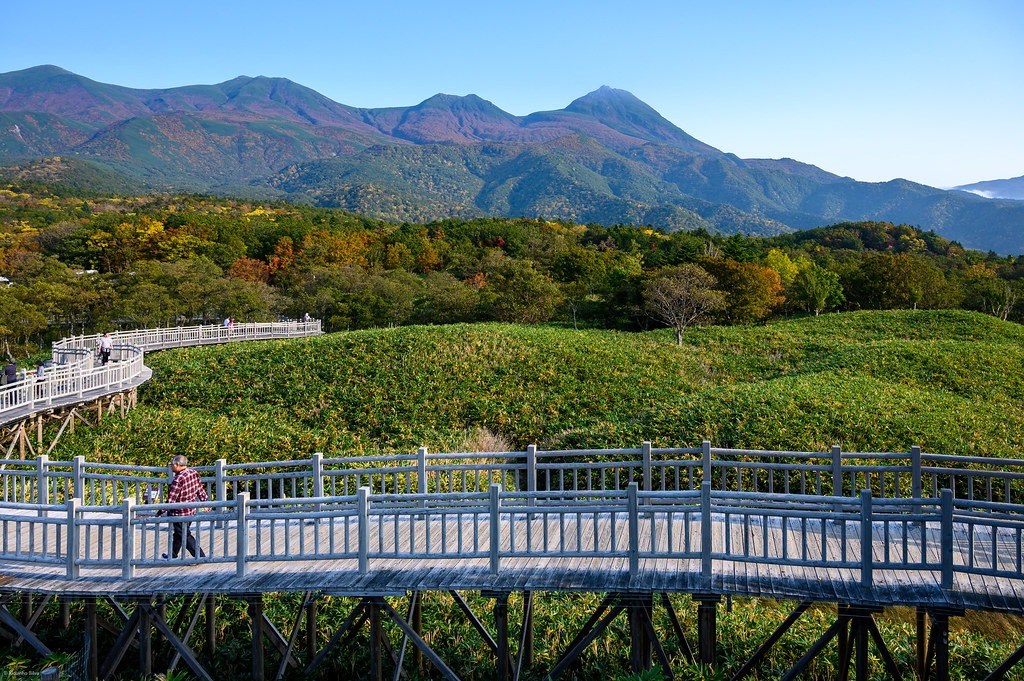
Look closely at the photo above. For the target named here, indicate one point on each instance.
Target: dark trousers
(104, 356)
(190, 541)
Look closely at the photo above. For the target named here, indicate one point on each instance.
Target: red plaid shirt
(186, 487)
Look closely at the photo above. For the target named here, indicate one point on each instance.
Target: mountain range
(607, 157)
(1012, 188)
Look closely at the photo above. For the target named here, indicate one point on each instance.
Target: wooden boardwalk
(538, 552)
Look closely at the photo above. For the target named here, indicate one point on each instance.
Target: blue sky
(931, 91)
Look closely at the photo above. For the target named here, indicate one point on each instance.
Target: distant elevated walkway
(76, 377)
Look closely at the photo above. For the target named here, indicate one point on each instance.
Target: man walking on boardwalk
(186, 487)
(105, 346)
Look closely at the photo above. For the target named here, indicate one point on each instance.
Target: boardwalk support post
(256, 622)
(503, 661)
(707, 627)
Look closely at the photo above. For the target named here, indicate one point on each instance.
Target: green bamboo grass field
(951, 382)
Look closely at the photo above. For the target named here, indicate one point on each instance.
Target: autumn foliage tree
(682, 296)
(752, 291)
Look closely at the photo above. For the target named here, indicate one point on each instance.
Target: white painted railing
(489, 508)
(75, 373)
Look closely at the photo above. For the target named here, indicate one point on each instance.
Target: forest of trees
(81, 264)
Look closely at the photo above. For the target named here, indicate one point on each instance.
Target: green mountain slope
(873, 381)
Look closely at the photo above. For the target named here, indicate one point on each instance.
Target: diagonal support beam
(652, 636)
(684, 644)
(887, 659)
(434, 658)
(350, 626)
(815, 649)
(770, 642)
(191, 626)
(525, 637)
(588, 625)
(179, 646)
(307, 598)
(414, 600)
(34, 617)
(23, 632)
(583, 641)
(121, 645)
(475, 621)
(277, 640)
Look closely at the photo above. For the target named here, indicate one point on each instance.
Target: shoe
(164, 556)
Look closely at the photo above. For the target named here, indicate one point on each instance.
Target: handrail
(74, 374)
(617, 503)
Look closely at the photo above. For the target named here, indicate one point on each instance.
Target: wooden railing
(855, 513)
(74, 373)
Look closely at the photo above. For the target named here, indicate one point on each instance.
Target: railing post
(706, 460)
(77, 479)
(42, 489)
(633, 505)
(531, 470)
(317, 464)
(705, 534)
(495, 527)
(946, 538)
(646, 453)
(127, 538)
(241, 533)
(866, 539)
(72, 550)
(220, 484)
(421, 474)
(363, 510)
(915, 472)
(837, 471)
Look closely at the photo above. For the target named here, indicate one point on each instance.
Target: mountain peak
(626, 113)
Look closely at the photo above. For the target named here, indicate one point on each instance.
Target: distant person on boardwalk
(11, 373)
(40, 368)
(105, 346)
(227, 321)
(306, 318)
(186, 487)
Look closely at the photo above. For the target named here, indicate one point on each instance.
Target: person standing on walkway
(106, 345)
(11, 373)
(186, 487)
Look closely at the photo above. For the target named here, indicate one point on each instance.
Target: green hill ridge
(950, 382)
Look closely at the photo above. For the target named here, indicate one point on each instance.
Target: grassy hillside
(870, 381)
(949, 381)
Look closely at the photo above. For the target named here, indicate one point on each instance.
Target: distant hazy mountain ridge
(607, 157)
(1012, 188)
